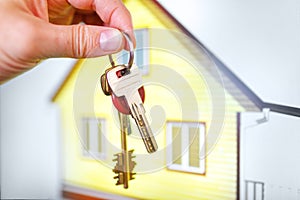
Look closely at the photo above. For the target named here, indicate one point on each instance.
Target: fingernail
(110, 40)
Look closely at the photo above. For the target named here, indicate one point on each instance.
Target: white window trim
(145, 32)
(184, 143)
(86, 153)
(144, 48)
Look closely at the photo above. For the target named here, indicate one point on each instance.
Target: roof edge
(293, 111)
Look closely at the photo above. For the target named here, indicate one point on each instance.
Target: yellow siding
(220, 179)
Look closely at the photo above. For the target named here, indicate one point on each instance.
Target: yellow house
(191, 103)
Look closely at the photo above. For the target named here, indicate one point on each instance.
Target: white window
(93, 140)
(141, 55)
(186, 146)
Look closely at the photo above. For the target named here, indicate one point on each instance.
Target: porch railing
(254, 190)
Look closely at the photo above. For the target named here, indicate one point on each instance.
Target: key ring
(131, 51)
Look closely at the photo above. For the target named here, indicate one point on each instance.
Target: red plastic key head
(121, 104)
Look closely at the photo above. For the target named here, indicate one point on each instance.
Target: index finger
(113, 13)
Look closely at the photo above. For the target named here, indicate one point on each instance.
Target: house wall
(270, 153)
(81, 96)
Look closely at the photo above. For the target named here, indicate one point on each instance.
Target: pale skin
(33, 30)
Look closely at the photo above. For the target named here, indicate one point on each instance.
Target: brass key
(125, 164)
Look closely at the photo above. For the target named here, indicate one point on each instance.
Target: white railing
(254, 190)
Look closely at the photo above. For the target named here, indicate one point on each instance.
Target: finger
(60, 12)
(88, 18)
(112, 12)
(79, 41)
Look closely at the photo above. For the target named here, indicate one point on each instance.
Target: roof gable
(190, 49)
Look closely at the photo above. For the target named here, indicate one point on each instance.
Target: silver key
(127, 85)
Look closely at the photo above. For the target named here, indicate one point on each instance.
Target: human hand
(31, 30)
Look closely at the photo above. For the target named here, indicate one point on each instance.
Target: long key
(124, 164)
(125, 83)
(123, 127)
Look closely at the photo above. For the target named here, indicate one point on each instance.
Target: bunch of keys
(124, 84)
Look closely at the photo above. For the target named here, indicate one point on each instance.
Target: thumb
(80, 41)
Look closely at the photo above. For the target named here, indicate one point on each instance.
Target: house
(192, 101)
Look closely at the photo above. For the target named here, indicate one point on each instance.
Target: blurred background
(257, 41)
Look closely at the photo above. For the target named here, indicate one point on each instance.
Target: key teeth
(118, 183)
(132, 165)
(120, 177)
(131, 176)
(115, 170)
(118, 169)
(131, 151)
(144, 128)
(115, 177)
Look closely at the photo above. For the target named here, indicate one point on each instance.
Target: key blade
(144, 128)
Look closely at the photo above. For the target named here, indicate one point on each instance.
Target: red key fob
(121, 104)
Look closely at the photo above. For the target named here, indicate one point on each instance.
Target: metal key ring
(131, 51)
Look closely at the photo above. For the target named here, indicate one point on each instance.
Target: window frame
(122, 57)
(184, 166)
(88, 153)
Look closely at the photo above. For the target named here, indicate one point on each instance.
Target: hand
(31, 30)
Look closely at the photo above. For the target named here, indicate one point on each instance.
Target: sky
(258, 40)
